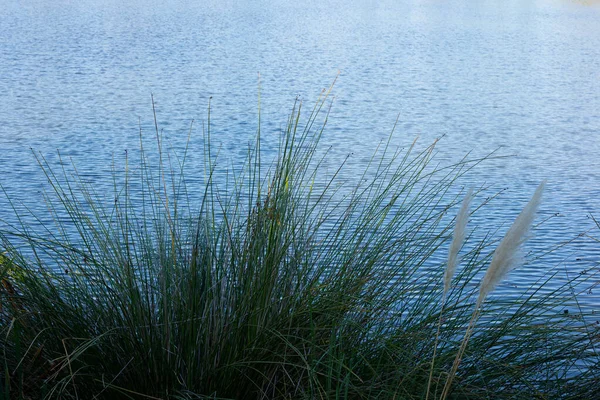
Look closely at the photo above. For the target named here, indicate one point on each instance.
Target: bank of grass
(287, 284)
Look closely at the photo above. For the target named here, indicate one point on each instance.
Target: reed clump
(283, 282)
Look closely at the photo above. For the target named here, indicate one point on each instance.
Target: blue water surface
(520, 77)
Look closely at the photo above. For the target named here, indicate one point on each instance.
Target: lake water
(519, 76)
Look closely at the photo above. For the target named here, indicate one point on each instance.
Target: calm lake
(519, 76)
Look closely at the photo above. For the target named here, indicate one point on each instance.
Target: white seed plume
(507, 255)
(457, 240)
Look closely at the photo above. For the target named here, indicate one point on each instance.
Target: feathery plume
(457, 240)
(505, 258)
(507, 255)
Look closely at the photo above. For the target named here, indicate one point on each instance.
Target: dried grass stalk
(457, 240)
(508, 253)
(506, 257)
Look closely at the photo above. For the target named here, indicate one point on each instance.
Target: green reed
(285, 283)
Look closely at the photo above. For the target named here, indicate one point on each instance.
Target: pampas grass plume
(507, 255)
(457, 240)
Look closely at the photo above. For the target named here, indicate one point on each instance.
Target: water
(521, 77)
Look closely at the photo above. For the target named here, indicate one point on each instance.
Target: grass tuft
(276, 280)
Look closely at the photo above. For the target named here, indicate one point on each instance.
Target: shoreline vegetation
(285, 284)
